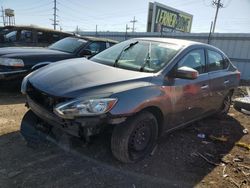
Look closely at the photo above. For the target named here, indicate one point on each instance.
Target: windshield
(145, 56)
(68, 44)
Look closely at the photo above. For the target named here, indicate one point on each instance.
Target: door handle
(226, 82)
(204, 87)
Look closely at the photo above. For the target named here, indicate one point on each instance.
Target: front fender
(135, 100)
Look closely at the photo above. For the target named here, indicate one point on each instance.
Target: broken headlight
(79, 107)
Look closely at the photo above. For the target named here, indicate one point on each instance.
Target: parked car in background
(3, 31)
(29, 36)
(143, 87)
(16, 62)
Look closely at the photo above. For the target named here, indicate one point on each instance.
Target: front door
(190, 98)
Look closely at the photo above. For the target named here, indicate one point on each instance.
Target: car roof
(184, 43)
(96, 39)
(11, 27)
(171, 40)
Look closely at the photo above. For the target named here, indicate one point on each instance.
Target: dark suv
(29, 36)
(143, 87)
(16, 62)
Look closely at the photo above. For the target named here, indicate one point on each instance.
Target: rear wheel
(136, 138)
(225, 105)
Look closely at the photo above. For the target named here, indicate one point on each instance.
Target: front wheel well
(158, 115)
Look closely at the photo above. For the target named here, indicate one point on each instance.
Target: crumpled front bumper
(81, 127)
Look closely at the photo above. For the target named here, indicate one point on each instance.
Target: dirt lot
(182, 159)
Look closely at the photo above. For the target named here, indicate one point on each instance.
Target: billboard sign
(162, 18)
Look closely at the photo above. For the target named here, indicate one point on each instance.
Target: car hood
(79, 77)
(20, 51)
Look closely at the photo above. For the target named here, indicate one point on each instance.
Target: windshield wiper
(123, 50)
(147, 60)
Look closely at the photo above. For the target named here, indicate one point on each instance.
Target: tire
(242, 103)
(134, 139)
(225, 105)
(30, 132)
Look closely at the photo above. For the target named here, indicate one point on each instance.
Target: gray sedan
(142, 87)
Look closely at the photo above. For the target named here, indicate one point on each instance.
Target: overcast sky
(113, 15)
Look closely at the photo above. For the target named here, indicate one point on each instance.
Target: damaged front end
(79, 118)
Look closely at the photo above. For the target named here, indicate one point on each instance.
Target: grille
(43, 99)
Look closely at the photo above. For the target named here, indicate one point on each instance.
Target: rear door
(219, 77)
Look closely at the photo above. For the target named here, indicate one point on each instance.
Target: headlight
(11, 62)
(84, 107)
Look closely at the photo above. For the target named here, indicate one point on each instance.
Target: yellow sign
(174, 20)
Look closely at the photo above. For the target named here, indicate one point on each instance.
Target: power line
(228, 3)
(76, 14)
(38, 6)
(187, 3)
(207, 5)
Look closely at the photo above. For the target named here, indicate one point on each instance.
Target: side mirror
(86, 53)
(186, 73)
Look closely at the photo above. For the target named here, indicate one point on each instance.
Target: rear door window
(26, 36)
(109, 44)
(226, 63)
(41, 37)
(215, 61)
(55, 37)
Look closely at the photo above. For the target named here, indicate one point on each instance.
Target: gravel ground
(182, 159)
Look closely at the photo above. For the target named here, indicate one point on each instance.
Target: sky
(113, 15)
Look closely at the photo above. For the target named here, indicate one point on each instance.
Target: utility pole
(55, 21)
(126, 34)
(210, 32)
(95, 30)
(77, 29)
(218, 6)
(133, 21)
(3, 16)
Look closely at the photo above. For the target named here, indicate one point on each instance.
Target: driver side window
(194, 59)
